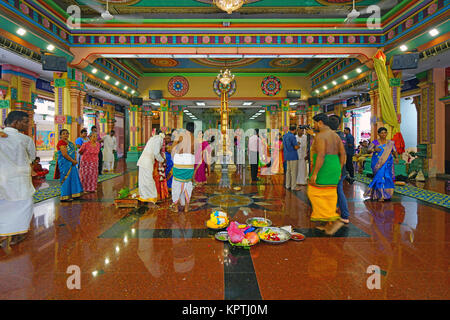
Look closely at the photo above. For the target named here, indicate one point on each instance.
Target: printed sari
(67, 172)
(382, 185)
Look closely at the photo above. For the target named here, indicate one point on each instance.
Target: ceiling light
(249, 103)
(190, 56)
(317, 91)
(21, 31)
(298, 56)
(126, 87)
(262, 110)
(261, 56)
(434, 32)
(359, 70)
(345, 77)
(229, 5)
(293, 103)
(403, 47)
(186, 111)
(119, 56)
(225, 56)
(200, 103)
(334, 83)
(94, 70)
(325, 87)
(155, 103)
(50, 47)
(154, 55)
(117, 83)
(325, 56)
(133, 92)
(107, 77)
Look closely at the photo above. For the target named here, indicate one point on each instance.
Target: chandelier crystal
(229, 5)
(226, 77)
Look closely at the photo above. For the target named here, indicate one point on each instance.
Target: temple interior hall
(138, 73)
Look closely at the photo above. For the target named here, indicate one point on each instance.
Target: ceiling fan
(352, 15)
(383, 5)
(106, 15)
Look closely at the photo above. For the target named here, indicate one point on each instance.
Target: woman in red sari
(89, 163)
(159, 175)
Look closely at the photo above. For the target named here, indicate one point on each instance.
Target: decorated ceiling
(130, 9)
(237, 65)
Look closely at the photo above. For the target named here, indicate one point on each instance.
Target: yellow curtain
(386, 101)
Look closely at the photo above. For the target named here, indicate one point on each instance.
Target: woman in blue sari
(382, 186)
(66, 169)
(169, 162)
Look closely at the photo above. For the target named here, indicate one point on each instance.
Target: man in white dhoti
(17, 151)
(302, 155)
(146, 162)
(183, 168)
(109, 145)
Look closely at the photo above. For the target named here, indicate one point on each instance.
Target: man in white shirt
(17, 152)
(302, 140)
(146, 162)
(109, 145)
(253, 149)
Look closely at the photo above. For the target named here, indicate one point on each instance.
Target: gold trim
(183, 166)
(12, 234)
(152, 200)
(65, 178)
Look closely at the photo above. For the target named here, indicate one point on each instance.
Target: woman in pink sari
(89, 163)
(201, 168)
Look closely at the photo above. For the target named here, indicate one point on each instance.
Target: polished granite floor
(157, 254)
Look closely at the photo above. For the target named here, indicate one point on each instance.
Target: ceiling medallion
(229, 5)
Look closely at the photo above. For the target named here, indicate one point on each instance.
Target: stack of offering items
(242, 235)
(217, 220)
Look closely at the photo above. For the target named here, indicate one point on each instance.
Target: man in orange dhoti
(328, 158)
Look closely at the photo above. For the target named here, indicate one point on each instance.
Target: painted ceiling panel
(283, 65)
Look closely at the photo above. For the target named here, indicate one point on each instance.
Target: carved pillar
(147, 122)
(164, 119)
(110, 115)
(18, 93)
(285, 116)
(135, 136)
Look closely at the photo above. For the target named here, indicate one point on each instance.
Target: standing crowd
(170, 165)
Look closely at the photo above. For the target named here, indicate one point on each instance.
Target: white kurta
(302, 152)
(146, 183)
(16, 189)
(109, 144)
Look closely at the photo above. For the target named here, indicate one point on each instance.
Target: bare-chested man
(328, 158)
(183, 168)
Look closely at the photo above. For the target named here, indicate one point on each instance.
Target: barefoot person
(328, 158)
(17, 151)
(89, 165)
(146, 163)
(183, 168)
(109, 146)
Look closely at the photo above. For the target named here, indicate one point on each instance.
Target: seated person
(38, 171)
(362, 155)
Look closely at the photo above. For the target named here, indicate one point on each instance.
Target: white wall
(408, 126)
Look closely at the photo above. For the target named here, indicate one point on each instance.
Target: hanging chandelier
(229, 5)
(226, 77)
